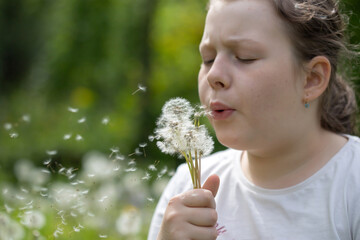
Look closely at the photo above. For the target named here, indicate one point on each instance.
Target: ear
(317, 77)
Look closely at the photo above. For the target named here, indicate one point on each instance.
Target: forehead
(254, 19)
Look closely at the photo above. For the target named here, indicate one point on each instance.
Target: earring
(306, 103)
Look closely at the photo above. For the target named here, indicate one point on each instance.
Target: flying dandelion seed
(103, 198)
(137, 152)
(151, 138)
(43, 194)
(143, 145)
(140, 88)
(82, 120)
(147, 176)
(103, 236)
(152, 167)
(114, 150)
(45, 171)
(24, 190)
(19, 197)
(120, 157)
(47, 162)
(76, 229)
(8, 209)
(73, 110)
(132, 162)
(133, 169)
(116, 168)
(105, 120)
(67, 136)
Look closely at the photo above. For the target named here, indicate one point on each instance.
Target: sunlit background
(82, 83)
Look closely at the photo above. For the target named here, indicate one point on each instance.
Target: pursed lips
(220, 111)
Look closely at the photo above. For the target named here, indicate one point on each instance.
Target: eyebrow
(232, 41)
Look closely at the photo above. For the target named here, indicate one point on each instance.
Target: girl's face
(248, 77)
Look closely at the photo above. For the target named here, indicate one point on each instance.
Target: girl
(292, 170)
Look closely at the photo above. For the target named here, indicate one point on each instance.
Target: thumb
(212, 184)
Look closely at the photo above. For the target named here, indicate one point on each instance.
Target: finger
(200, 198)
(212, 184)
(202, 233)
(204, 217)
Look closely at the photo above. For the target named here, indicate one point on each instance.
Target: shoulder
(349, 155)
(350, 159)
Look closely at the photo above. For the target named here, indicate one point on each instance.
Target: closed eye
(246, 60)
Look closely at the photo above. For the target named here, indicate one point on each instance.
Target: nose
(218, 75)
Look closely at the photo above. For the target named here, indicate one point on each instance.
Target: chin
(231, 141)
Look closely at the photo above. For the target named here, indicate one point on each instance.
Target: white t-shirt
(325, 206)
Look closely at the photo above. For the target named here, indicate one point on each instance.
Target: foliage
(69, 72)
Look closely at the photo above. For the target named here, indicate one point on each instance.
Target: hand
(192, 215)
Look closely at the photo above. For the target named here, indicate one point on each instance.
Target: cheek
(202, 87)
(272, 92)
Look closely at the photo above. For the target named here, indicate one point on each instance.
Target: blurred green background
(70, 72)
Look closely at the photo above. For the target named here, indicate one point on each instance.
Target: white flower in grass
(33, 219)
(129, 222)
(65, 195)
(10, 229)
(25, 171)
(97, 166)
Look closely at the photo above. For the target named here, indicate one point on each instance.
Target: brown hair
(317, 28)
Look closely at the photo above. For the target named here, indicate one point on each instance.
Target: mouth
(220, 111)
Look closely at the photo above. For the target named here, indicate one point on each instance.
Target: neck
(291, 164)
